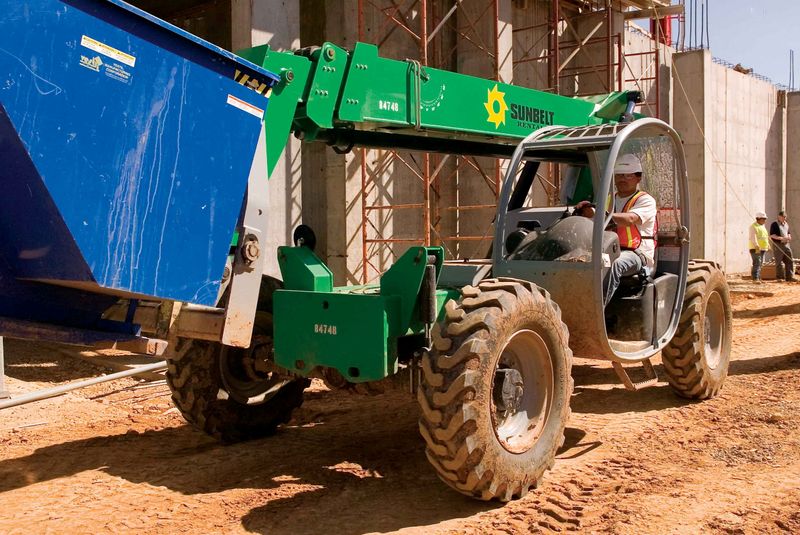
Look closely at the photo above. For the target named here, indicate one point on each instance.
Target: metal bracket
(649, 373)
(248, 266)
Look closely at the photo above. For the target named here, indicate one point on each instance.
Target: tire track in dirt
(645, 462)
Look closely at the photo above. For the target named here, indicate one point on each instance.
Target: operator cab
(549, 237)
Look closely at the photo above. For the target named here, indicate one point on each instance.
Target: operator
(634, 215)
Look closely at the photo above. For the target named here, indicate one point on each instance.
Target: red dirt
(113, 458)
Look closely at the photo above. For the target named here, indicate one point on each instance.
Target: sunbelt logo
(496, 106)
(522, 115)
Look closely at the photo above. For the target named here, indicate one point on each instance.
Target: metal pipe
(3, 393)
(58, 390)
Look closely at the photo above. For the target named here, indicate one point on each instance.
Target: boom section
(357, 98)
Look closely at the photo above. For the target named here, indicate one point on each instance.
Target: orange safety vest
(629, 235)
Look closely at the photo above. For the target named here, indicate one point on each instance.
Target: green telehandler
(488, 343)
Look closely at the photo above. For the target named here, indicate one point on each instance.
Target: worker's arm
(775, 233)
(626, 218)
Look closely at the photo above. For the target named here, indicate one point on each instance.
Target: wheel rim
(241, 380)
(713, 328)
(527, 357)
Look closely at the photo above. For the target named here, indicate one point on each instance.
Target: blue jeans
(628, 263)
(758, 259)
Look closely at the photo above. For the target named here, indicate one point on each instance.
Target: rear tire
(509, 333)
(696, 359)
(222, 392)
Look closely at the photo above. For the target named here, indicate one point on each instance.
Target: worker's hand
(584, 208)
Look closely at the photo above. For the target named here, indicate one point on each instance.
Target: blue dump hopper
(125, 150)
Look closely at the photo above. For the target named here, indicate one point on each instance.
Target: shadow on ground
(780, 310)
(360, 470)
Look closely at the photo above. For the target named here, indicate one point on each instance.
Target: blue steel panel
(141, 138)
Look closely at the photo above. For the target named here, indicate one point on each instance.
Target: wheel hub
(508, 391)
(523, 391)
(248, 376)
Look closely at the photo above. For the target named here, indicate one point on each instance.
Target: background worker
(780, 237)
(634, 215)
(758, 244)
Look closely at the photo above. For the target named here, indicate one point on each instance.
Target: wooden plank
(653, 13)
(645, 4)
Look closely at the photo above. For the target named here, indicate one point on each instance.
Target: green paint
(330, 93)
(301, 269)
(349, 328)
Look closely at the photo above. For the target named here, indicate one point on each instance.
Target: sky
(757, 34)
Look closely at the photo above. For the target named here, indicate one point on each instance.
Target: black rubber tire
(456, 396)
(198, 390)
(696, 359)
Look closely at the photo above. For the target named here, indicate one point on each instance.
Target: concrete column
(473, 187)
(781, 123)
(532, 43)
(276, 23)
(331, 196)
(792, 161)
(691, 73)
(241, 24)
(505, 41)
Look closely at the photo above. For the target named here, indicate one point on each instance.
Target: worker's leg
(756, 256)
(777, 252)
(789, 261)
(628, 263)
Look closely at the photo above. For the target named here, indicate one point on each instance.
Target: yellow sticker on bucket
(109, 51)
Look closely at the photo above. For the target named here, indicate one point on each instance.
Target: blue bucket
(125, 150)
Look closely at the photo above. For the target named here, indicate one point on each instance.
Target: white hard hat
(760, 215)
(627, 163)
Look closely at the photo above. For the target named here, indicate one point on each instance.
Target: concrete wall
(733, 127)
(331, 201)
(793, 165)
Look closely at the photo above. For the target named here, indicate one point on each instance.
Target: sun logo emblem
(496, 107)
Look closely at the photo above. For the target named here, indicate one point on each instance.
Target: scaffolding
(569, 47)
(436, 31)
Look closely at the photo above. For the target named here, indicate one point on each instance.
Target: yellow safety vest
(762, 238)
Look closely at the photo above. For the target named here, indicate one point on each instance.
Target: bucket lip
(197, 40)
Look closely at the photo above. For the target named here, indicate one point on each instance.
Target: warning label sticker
(245, 106)
(108, 51)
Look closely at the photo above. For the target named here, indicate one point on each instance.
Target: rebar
(63, 389)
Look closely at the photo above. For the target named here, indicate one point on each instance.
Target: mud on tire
(482, 443)
(696, 359)
(201, 378)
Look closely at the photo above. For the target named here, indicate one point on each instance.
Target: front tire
(496, 388)
(696, 359)
(225, 393)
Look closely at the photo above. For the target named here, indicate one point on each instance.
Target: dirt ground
(117, 457)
